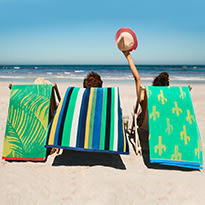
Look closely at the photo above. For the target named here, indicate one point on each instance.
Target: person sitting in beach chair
(169, 119)
(166, 114)
(89, 119)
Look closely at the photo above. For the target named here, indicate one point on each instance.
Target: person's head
(92, 80)
(161, 80)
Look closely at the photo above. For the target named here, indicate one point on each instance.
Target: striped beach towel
(27, 122)
(174, 137)
(89, 120)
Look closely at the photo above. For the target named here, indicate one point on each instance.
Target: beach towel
(89, 120)
(27, 122)
(174, 137)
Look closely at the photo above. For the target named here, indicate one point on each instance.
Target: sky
(83, 32)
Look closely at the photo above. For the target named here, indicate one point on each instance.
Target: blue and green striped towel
(89, 120)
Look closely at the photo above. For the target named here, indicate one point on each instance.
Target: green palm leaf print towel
(27, 122)
(174, 137)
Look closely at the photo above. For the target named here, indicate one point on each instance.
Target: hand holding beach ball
(126, 39)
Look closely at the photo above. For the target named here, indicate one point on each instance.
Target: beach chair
(31, 107)
(174, 137)
(89, 120)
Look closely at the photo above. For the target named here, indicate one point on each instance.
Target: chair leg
(138, 148)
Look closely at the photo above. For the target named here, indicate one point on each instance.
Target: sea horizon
(119, 73)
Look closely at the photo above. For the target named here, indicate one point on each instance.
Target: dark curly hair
(161, 80)
(92, 80)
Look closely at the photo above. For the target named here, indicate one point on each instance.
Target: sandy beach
(90, 178)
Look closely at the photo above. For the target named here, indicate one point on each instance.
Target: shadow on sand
(78, 158)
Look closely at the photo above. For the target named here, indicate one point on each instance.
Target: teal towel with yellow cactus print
(27, 122)
(174, 137)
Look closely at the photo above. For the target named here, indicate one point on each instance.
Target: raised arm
(134, 70)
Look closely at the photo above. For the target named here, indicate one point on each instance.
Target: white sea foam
(187, 78)
(79, 71)
(17, 68)
(70, 77)
(117, 77)
(147, 78)
(49, 73)
(67, 73)
(14, 77)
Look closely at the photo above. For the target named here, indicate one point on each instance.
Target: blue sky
(83, 32)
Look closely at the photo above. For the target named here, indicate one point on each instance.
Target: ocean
(179, 74)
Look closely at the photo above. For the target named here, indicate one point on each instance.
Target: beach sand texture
(94, 178)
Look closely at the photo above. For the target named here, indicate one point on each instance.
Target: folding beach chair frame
(57, 91)
(134, 127)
